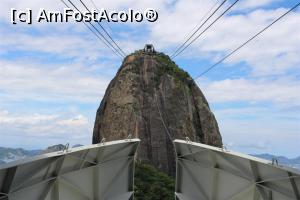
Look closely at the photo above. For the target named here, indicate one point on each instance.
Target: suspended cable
(97, 30)
(189, 44)
(97, 35)
(249, 40)
(124, 54)
(107, 24)
(196, 26)
(102, 40)
(162, 119)
(182, 45)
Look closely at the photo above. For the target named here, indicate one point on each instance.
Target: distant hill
(294, 162)
(54, 148)
(12, 154)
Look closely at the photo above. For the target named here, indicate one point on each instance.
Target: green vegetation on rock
(152, 184)
(170, 67)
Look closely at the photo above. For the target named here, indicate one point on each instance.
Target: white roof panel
(210, 173)
(101, 171)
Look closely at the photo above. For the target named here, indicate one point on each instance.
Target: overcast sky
(53, 75)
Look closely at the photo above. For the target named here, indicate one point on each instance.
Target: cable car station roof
(101, 171)
(209, 173)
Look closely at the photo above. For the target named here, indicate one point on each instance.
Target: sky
(54, 75)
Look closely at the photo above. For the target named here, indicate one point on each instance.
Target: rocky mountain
(153, 99)
(54, 148)
(12, 154)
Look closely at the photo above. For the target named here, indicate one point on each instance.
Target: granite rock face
(153, 99)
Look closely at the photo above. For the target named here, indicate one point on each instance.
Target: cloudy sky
(53, 75)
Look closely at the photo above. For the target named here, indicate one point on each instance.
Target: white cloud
(281, 92)
(262, 115)
(21, 81)
(38, 121)
(61, 43)
(46, 129)
(279, 136)
(34, 119)
(174, 22)
(79, 120)
(250, 4)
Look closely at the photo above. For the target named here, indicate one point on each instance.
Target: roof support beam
(236, 164)
(178, 184)
(53, 181)
(254, 169)
(47, 190)
(59, 165)
(263, 193)
(257, 178)
(55, 191)
(274, 188)
(99, 155)
(122, 148)
(4, 197)
(8, 180)
(215, 181)
(214, 191)
(241, 194)
(47, 172)
(34, 170)
(279, 179)
(191, 153)
(179, 196)
(82, 160)
(294, 186)
(270, 197)
(96, 188)
(256, 194)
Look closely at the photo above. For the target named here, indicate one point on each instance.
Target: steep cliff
(153, 99)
